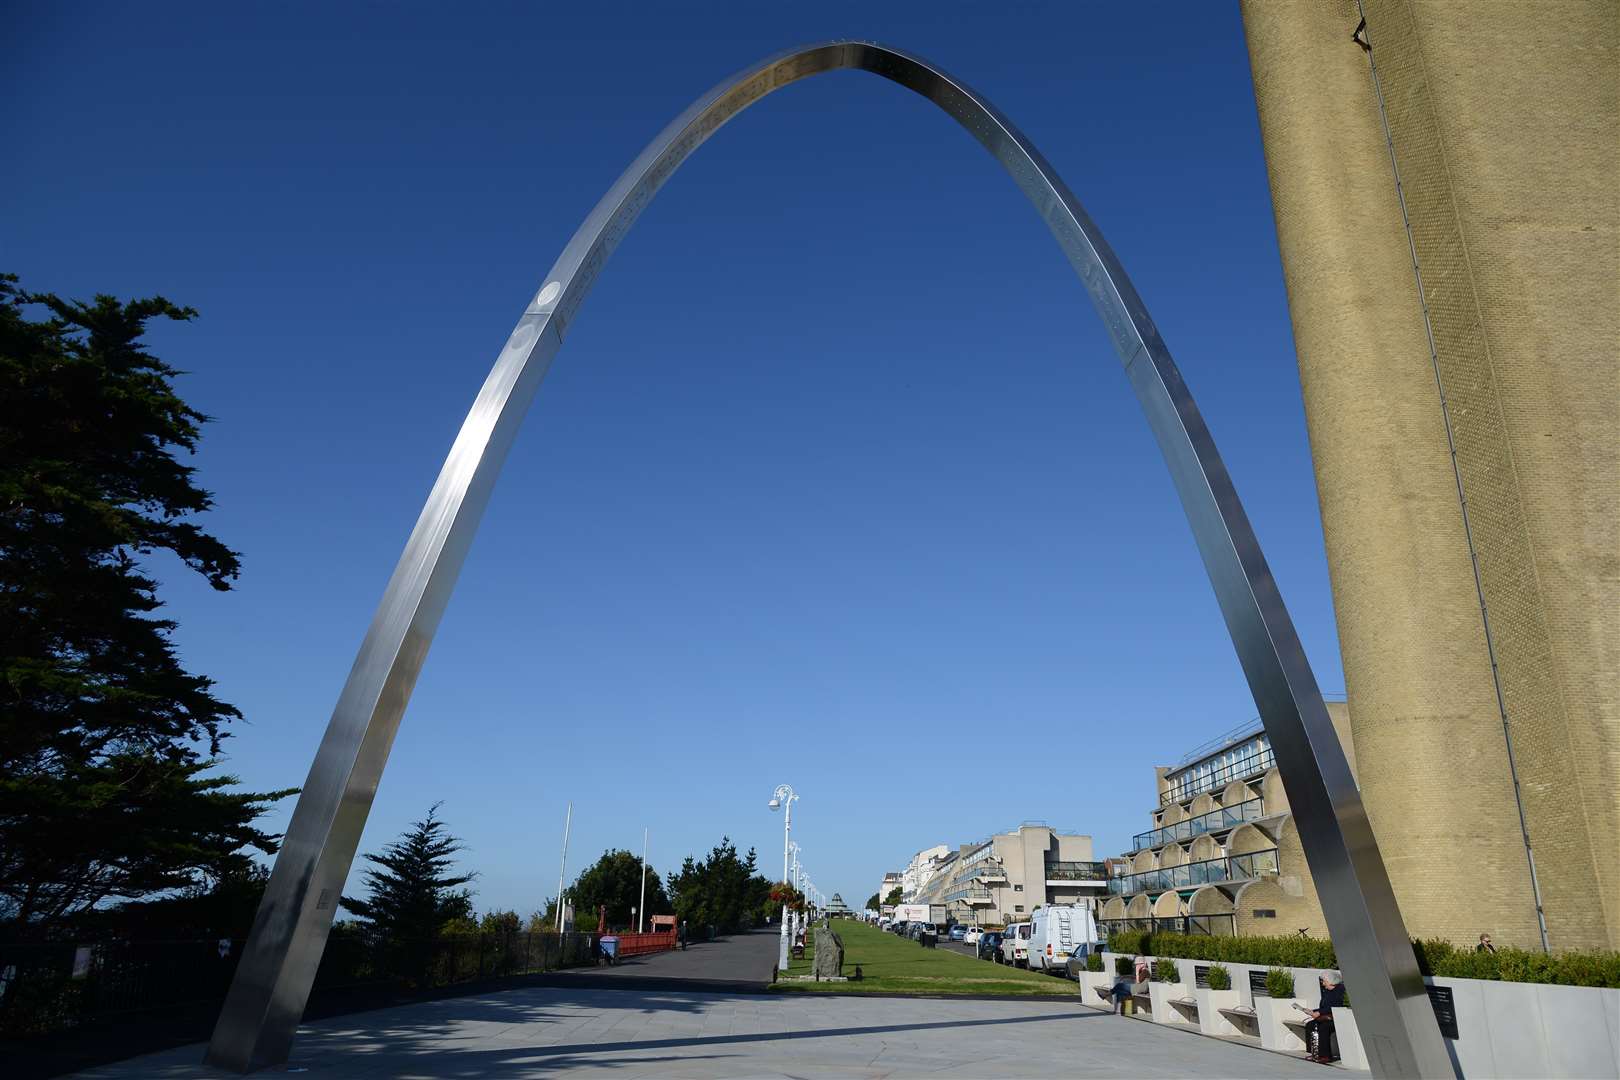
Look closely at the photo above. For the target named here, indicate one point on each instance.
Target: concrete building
(920, 870)
(1444, 179)
(1003, 878)
(1223, 855)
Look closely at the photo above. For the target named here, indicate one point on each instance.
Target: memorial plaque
(1201, 976)
(1257, 982)
(1445, 1010)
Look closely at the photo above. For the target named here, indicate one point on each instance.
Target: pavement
(658, 1016)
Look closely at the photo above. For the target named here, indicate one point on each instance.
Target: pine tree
(414, 891)
(108, 745)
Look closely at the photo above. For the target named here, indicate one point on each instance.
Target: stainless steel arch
(267, 998)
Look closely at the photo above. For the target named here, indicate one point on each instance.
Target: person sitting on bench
(1319, 1028)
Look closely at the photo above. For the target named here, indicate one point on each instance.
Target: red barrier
(641, 944)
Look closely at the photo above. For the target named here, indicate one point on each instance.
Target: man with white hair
(1319, 1028)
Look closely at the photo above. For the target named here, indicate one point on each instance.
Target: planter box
(1090, 981)
(1351, 1056)
(1533, 1029)
(1274, 1034)
(1211, 1021)
(1162, 994)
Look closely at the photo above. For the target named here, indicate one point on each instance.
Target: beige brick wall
(1506, 127)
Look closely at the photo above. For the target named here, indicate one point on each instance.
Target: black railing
(1223, 818)
(1225, 925)
(1242, 768)
(46, 987)
(1192, 875)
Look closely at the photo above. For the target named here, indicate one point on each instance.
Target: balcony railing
(1257, 762)
(1225, 925)
(1214, 821)
(1191, 875)
(970, 893)
(1064, 870)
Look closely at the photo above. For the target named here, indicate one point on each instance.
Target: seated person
(1319, 1028)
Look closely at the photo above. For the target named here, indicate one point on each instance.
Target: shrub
(1165, 971)
(1126, 941)
(1094, 962)
(1279, 983)
(1219, 978)
(1124, 965)
(1437, 957)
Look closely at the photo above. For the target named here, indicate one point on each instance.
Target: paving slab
(549, 1030)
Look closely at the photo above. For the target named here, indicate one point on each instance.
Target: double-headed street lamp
(782, 799)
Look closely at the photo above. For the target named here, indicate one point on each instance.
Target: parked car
(1057, 932)
(989, 945)
(972, 935)
(958, 933)
(1015, 945)
(1076, 963)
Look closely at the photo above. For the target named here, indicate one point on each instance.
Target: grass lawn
(892, 964)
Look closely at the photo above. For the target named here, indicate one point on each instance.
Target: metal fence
(48, 987)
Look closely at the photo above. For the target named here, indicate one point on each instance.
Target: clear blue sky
(837, 481)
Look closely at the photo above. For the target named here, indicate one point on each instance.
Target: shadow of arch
(1247, 838)
(1204, 848)
(1168, 905)
(278, 964)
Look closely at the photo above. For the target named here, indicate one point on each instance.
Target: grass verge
(895, 965)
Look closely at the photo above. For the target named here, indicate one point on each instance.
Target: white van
(1058, 932)
(1015, 945)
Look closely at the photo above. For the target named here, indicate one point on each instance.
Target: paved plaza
(670, 1016)
(546, 1031)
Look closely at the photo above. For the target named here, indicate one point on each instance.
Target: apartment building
(917, 874)
(1223, 855)
(891, 881)
(1002, 878)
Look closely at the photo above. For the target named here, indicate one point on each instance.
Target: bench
(1187, 1006)
(1244, 1019)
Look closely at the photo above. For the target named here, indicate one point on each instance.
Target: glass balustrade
(1223, 818)
(1065, 870)
(1240, 769)
(1192, 875)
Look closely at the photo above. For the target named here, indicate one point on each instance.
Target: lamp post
(782, 799)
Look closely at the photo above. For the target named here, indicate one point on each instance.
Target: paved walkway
(740, 962)
(545, 1031)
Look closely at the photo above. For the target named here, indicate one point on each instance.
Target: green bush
(1279, 951)
(1219, 978)
(1126, 941)
(1438, 957)
(1094, 962)
(1124, 965)
(1165, 971)
(1279, 983)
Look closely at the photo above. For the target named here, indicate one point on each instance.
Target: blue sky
(837, 481)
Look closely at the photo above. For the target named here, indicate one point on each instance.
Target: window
(1265, 913)
(1018, 888)
(1018, 907)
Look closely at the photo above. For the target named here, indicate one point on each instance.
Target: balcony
(976, 895)
(1214, 821)
(1241, 769)
(1061, 871)
(1192, 875)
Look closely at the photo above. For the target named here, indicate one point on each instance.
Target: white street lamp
(782, 799)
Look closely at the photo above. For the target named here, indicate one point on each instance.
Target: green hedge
(1268, 951)
(1433, 957)
(1165, 971)
(1519, 965)
(1219, 978)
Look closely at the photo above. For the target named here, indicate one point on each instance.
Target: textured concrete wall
(1505, 121)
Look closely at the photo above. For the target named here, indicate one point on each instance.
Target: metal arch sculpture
(267, 997)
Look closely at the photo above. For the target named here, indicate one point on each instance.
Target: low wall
(1504, 1029)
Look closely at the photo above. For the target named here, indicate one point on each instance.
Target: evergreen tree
(107, 744)
(414, 890)
(896, 896)
(874, 902)
(722, 891)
